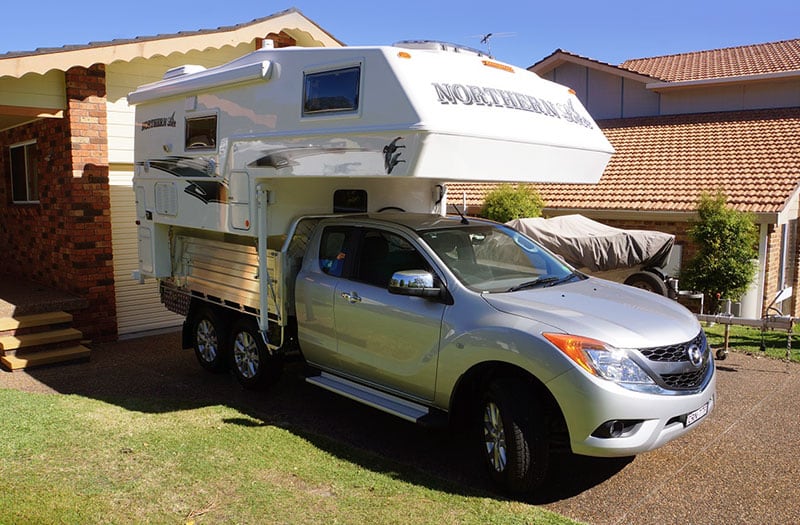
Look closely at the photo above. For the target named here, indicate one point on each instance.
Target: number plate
(697, 415)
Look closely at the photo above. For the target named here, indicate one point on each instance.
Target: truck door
(383, 338)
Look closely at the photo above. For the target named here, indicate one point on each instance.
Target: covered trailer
(633, 257)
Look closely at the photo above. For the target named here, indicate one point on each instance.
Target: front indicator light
(601, 359)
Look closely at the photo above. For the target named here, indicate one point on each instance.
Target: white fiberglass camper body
(204, 137)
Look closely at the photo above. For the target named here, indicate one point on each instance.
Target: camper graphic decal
(207, 189)
(391, 157)
(161, 122)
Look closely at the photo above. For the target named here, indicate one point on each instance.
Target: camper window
(201, 132)
(331, 91)
(349, 201)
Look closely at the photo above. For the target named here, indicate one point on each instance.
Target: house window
(201, 132)
(331, 91)
(24, 172)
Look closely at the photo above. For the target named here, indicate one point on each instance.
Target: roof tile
(771, 57)
(665, 163)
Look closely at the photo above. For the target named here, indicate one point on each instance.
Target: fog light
(614, 428)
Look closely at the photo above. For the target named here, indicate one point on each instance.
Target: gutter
(708, 82)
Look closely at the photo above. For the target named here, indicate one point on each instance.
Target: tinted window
(201, 132)
(331, 91)
(349, 201)
(383, 253)
(333, 250)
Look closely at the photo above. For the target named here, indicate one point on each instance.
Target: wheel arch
(474, 381)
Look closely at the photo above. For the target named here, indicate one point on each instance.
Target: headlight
(603, 360)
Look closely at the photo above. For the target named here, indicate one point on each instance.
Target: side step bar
(394, 405)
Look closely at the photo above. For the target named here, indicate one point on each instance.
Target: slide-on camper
(293, 202)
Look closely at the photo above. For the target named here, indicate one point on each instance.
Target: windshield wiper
(543, 281)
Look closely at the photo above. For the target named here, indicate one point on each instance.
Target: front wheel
(513, 436)
(252, 363)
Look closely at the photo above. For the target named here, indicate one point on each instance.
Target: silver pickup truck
(419, 315)
(463, 321)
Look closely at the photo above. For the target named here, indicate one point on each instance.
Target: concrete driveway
(741, 465)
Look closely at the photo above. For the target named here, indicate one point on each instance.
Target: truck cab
(427, 316)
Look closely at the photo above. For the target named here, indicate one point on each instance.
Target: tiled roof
(303, 30)
(665, 163)
(772, 57)
(144, 39)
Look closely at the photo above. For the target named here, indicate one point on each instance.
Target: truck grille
(674, 353)
(683, 375)
(685, 381)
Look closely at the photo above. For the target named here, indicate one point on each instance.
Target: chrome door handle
(351, 298)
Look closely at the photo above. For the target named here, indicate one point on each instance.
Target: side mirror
(418, 283)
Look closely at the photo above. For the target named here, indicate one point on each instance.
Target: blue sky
(525, 30)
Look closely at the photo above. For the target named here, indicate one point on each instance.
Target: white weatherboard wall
(139, 307)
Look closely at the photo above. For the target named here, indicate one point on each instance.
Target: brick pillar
(87, 253)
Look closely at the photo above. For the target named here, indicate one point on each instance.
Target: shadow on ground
(154, 375)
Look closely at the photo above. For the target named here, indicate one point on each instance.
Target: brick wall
(64, 241)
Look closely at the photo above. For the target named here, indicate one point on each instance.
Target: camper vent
(436, 45)
(182, 70)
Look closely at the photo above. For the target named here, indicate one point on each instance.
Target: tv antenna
(487, 36)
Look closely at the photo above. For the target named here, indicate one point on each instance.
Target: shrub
(507, 202)
(727, 246)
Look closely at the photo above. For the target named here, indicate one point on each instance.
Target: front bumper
(651, 420)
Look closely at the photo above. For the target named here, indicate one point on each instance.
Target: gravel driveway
(741, 465)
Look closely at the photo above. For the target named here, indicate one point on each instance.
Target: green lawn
(70, 459)
(748, 339)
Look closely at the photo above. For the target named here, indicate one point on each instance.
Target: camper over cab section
(415, 110)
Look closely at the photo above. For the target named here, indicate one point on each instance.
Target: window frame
(28, 150)
(343, 196)
(186, 137)
(333, 69)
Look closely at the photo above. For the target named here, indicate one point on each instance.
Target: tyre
(251, 361)
(208, 340)
(513, 436)
(648, 281)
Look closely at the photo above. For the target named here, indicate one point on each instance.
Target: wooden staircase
(40, 339)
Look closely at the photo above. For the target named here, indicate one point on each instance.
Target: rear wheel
(252, 363)
(513, 436)
(208, 336)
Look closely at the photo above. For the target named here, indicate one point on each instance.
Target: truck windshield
(496, 258)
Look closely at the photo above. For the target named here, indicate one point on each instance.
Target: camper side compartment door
(152, 240)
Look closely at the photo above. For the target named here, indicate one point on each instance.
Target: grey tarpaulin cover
(585, 243)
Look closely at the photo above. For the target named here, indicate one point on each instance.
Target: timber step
(31, 358)
(15, 342)
(40, 339)
(34, 320)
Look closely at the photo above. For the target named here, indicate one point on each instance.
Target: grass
(71, 459)
(749, 340)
